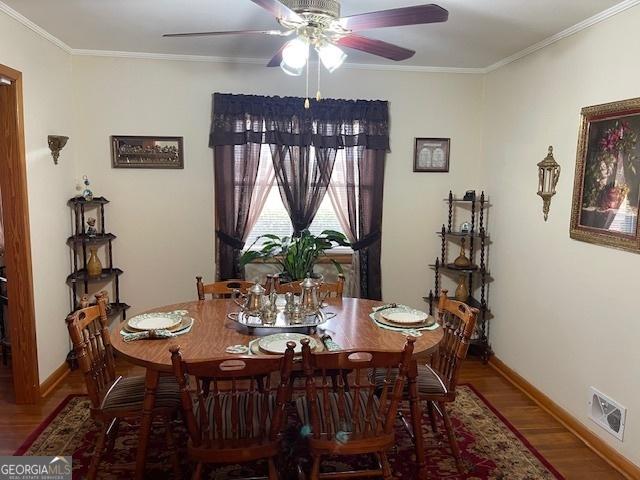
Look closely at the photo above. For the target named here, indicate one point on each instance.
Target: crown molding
(35, 28)
(262, 62)
(578, 27)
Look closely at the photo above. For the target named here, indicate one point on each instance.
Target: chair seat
(342, 422)
(127, 393)
(429, 382)
(241, 429)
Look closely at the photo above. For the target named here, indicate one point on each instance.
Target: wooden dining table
(213, 331)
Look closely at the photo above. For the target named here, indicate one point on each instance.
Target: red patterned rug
(491, 447)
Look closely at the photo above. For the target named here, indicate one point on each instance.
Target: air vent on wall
(607, 413)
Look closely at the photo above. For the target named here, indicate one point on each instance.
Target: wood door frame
(13, 187)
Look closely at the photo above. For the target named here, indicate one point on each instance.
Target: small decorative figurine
(87, 194)
(465, 228)
(470, 195)
(91, 229)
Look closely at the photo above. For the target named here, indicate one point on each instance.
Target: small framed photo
(146, 152)
(431, 155)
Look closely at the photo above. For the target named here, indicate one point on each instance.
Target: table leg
(151, 385)
(416, 420)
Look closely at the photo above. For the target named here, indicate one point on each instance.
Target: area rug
(491, 447)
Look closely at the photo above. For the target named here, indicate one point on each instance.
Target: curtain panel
(303, 174)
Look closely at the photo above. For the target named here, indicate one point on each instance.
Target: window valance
(330, 123)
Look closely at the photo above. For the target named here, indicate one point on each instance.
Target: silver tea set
(257, 302)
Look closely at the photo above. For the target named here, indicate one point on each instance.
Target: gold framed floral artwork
(606, 193)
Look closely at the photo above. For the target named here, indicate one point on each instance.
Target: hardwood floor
(559, 446)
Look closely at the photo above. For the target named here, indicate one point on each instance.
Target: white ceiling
(478, 34)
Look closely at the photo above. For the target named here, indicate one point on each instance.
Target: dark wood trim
(52, 381)
(13, 185)
(626, 468)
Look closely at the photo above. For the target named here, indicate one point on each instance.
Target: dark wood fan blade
(279, 10)
(376, 47)
(277, 58)
(396, 17)
(276, 33)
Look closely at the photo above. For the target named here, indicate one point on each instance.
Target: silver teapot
(311, 300)
(253, 300)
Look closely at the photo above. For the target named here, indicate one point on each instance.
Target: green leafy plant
(297, 255)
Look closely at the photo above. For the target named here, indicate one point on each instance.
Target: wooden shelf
(93, 240)
(471, 301)
(83, 276)
(460, 234)
(459, 270)
(82, 201)
(117, 309)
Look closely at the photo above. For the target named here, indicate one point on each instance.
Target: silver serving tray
(282, 324)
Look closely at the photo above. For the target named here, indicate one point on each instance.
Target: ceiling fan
(317, 23)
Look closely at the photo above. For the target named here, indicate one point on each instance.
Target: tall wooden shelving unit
(80, 241)
(478, 277)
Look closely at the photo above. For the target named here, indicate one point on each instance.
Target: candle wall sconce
(548, 176)
(56, 144)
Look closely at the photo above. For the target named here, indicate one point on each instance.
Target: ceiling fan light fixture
(295, 56)
(332, 57)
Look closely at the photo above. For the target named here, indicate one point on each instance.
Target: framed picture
(431, 155)
(146, 152)
(606, 192)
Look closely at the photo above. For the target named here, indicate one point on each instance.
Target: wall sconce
(56, 144)
(548, 176)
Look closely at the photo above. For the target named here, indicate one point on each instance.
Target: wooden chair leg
(173, 451)
(197, 472)
(452, 438)
(315, 468)
(273, 471)
(112, 434)
(432, 417)
(97, 454)
(387, 474)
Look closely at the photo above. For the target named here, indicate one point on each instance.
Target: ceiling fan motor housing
(329, 8)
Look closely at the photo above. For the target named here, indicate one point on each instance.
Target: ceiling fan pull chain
(318, 94)
(306, 100)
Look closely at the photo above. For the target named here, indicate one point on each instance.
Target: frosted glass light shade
(331, 56)
(295, 56)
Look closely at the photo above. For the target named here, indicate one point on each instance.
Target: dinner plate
(404, 316)
(277, 344)
(183, 325)
(254, 348)
(155, 321)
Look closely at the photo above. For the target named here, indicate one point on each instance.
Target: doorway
(20, 319)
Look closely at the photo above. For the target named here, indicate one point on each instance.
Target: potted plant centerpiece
(296, 255)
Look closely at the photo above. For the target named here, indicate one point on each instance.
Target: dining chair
(348, 414)
(115, 398)
(223, 289)
(234, 417)
(437, 381)
(334, 290)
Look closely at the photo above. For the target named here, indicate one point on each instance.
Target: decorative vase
(462, 292)
(462, 261)
(94, 266)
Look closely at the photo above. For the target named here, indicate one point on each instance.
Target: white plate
(155, 321)
(402, 316)
(278, 343)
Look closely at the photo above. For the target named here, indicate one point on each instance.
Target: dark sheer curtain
(236, 169)
(303, 173)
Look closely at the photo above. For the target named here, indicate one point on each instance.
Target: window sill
(343, 258)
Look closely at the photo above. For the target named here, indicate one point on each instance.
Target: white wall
(565, 311)
(164, 218)
(48, 102)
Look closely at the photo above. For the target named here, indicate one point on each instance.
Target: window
(275, 220)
